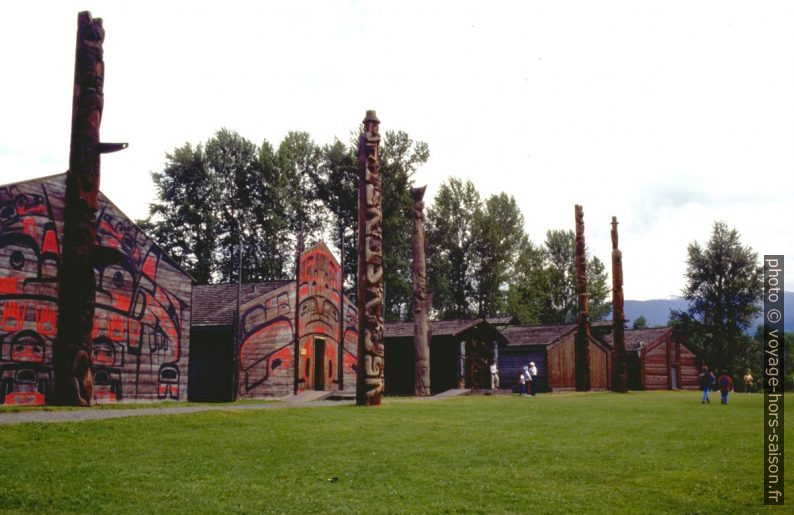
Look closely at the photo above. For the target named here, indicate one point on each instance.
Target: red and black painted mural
(142, 314)
(267, 351)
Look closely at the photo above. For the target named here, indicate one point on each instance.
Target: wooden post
(340, 358)
(620, 371)
(421, 298)
(370, 297)
(73, 348)
(462, 365)
(583, 331)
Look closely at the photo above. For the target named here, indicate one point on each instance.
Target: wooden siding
(687, 366)
(267, 356)
(562, 364)
(599, 368)
(656, 365)
(142, 315)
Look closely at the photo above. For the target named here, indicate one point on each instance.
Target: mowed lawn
(597, 452)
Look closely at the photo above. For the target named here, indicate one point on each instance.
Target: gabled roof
(215, 304)
(437, 328)
(537, 334)
(636, 338)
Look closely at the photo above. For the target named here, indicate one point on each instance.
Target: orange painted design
(150, 267)
(115, 328)
(10, 285)
(133, 333)
(24, 399)
(46, 320)
(14, 314)
(50, 243)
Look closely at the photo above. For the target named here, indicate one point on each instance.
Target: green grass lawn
(131, 405)
(599, 452)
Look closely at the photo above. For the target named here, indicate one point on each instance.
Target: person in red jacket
(726, 385)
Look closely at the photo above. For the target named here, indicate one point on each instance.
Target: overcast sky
(669, 115)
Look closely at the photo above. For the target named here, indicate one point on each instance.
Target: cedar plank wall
(266, 359)
(655, 364)
(561, 364)
(599, 368)
(687, 366)
(142, 319)
(350, 360)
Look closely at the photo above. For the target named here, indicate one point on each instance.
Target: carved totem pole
(370, 298)
(421, 299)
(620, 365)
(72, 352)
(583, 332)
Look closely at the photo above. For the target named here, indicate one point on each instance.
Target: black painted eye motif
(118, 279)
(17, 260)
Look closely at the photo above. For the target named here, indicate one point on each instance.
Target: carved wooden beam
(620, 365)
(420, 297)
(583, 331)
(370, 298)
(72, 352)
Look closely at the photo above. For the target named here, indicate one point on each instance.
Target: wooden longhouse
(552, 349)
(460, 354)
(658, 362)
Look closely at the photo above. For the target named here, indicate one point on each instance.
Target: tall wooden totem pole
(370, 298)
(72, 352)
(620, 372)
(583, 331)
(420, 296)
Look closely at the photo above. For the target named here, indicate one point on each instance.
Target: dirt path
(78, 415)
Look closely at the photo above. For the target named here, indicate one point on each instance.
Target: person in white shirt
(533, 378)
(522, 384)
(494, 376)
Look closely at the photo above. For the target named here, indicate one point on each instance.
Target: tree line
(228, 193)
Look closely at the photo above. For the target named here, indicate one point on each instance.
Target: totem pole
(620, 366)
(300, 247)
(583, 332)
(73, 348)
(370, 298)
(421, 299)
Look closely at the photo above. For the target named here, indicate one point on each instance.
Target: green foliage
(498, 238)
(450, 234)
(283, 460)
(724, 286)
(640, 323)
(543, 289)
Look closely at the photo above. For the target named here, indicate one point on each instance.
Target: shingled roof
(635, 337)
(437, 328)
(536, 334)
(214, 304)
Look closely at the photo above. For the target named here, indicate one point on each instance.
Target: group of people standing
(527, 379)
(708, 380)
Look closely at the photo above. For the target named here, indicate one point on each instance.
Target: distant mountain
(657, 311)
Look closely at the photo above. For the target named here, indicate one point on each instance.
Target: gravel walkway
(78, 415)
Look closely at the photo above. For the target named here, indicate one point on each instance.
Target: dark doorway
(478, 372)
(211, 366)
(444, 364)
(674, 377)
(319, 364)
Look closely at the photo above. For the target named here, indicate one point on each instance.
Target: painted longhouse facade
(142, 314)
(277, 346)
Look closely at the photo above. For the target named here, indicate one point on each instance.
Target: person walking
(533, 378)
(748, 382)
(705, 385)
(726, 385)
